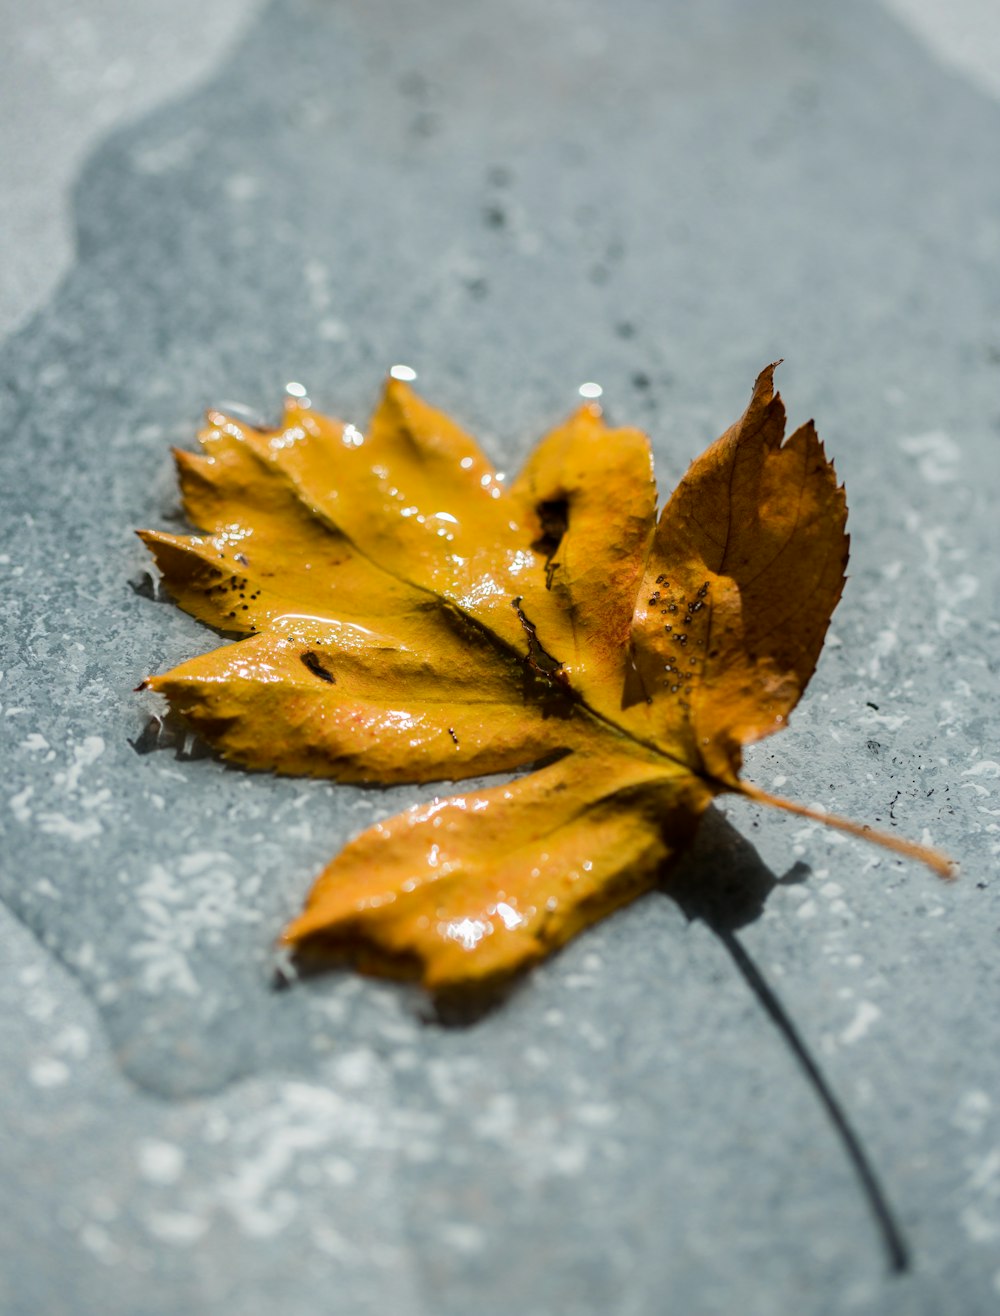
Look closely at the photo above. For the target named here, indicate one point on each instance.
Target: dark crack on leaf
(538, 659)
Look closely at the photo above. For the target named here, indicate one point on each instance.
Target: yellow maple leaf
(407, 617)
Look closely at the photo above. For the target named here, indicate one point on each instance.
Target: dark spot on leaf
(314, 664)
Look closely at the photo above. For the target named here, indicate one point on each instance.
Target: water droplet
(295, 390)
(238, 411)
(405, 373)
(590, 390)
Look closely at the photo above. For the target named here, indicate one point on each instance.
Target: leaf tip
(765, 380)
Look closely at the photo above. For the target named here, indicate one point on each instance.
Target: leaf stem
(934, 859)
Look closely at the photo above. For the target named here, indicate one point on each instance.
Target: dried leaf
(404, 618)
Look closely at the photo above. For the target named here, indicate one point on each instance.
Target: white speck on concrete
(57, 824)
(464, 1238)
(177, 1227)
(340, 1171)
(972, 1111)
(937, 456)
(96, 1239)
(19, 804)
(305, 1119)
(189, 904)
(332, 331)
(85, 755)
(866, 1014)
(355, 1069)
(159, 1162)
(242, 187)
(986, 1176)
(570, 1159)
(48, 1073)
(73, 1041)
(979, 1228)
(596, 1114)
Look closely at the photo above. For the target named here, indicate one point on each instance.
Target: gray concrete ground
(513, 198)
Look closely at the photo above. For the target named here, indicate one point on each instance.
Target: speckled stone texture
(512, 198)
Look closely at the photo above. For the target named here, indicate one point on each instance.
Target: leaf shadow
(722, 880)
(724, 883)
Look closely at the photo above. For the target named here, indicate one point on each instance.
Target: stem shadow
(723, 883)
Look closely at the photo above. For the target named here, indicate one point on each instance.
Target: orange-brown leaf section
(400, 614)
